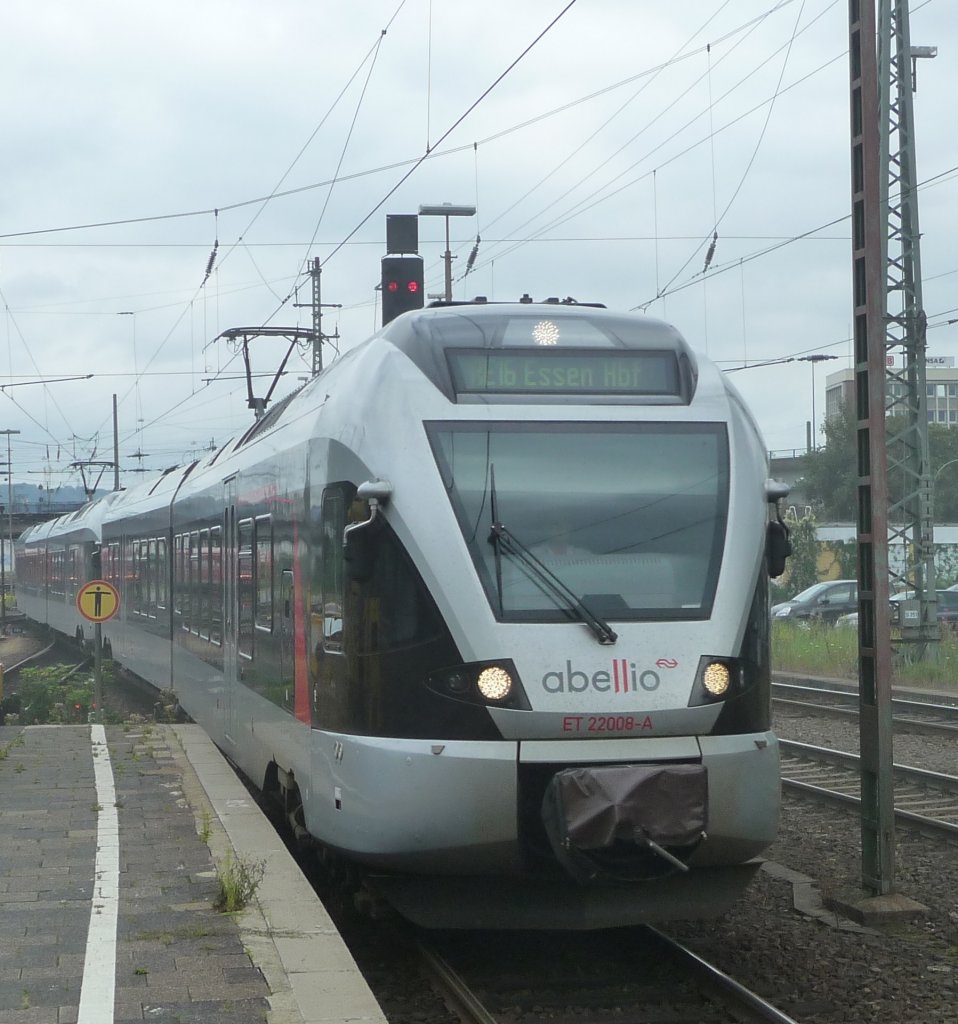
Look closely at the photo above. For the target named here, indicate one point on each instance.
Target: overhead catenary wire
(610, 190)
(751, 161)
(487, 239)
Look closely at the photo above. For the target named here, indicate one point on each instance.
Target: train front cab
(431, 778)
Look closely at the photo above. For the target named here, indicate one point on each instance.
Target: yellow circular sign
(98, 601)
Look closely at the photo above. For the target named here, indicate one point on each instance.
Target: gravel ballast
(822, 968)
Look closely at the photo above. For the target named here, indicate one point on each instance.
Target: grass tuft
(238, 881)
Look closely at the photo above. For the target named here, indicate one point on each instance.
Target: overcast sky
(601, 143)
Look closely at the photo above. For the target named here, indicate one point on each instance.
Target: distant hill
(34, 497)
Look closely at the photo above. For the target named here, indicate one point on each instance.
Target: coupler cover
(612, 808)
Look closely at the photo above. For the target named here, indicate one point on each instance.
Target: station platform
(110, 840)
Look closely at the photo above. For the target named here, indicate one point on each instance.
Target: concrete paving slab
(175, 957)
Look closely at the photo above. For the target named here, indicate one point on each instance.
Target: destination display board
(555, 371)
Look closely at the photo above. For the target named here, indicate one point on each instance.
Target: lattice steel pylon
(910, 522)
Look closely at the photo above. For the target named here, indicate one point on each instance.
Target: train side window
(115, 568)
(153, 576)
(139, 578)
(246, 587)
(216, 585)
(398, 611)
(264, 573)
(187, 582)
(206, 597)
(56, 570)
(331, 612)
(178, 574)
(196, 598)
(162, 579)
(129, 570)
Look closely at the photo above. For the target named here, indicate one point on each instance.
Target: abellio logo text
(623, 677)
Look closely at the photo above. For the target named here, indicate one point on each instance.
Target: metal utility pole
(116, 448)
(317, 306)
(874, 641)
(911, 526)
(447, 210)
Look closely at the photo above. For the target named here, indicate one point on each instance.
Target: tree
(803, 564)
(943, 449)
(830, 474)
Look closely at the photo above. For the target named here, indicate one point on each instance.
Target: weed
(96, 808)
(206, 828)
(238, 881)
(21, 767)
(5, 749)
(57, 694)
(196, 931)
(141, 970)
(167, 938)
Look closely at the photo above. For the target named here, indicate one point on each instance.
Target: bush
(56, 694)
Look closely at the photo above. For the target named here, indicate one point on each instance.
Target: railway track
(923, 798)
(637, 976)
(924, 717)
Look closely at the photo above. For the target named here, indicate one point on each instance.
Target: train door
(230, 609)
(286, 652)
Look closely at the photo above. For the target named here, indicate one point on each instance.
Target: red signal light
(402, 285)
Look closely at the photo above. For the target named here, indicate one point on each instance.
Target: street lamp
(934, 479)
(813, 359)
(944, 465)
(447, 210)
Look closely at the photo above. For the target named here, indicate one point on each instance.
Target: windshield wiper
(547, 581)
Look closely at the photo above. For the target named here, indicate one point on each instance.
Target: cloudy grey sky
(600, 152)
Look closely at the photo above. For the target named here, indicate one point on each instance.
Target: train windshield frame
(631, 517)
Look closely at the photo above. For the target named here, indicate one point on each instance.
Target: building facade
(941, 388)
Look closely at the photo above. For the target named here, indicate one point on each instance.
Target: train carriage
(53, 562)
(486, 604)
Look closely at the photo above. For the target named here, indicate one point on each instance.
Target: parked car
(851, 619)
(947, 601)
(823, 602)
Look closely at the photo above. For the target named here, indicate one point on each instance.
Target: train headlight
(716, 678)
(494, 683)
(481, 682)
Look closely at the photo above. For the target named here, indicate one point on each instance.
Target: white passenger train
(485, 603)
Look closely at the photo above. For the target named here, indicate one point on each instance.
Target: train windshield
(630, 517)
